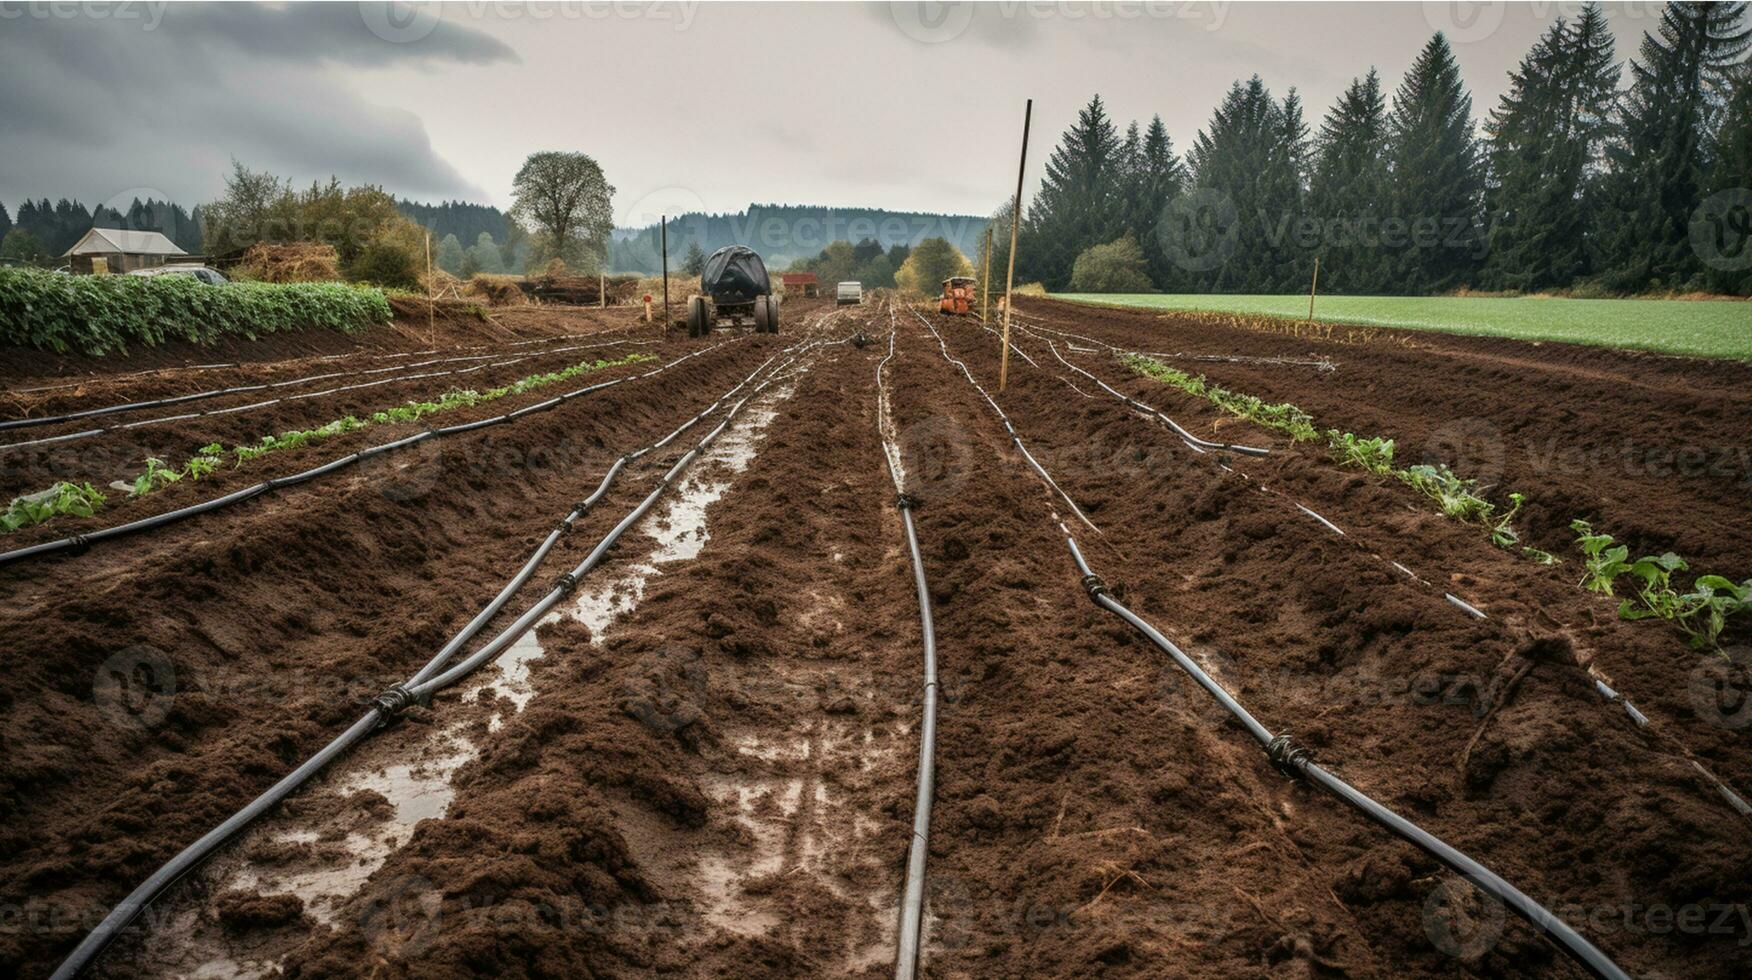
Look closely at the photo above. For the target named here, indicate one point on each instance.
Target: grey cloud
(92, 107)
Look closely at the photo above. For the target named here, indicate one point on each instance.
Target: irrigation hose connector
(393, 703)
(566, 583)
(1289, 758)
(1095, 586)
(906, 501)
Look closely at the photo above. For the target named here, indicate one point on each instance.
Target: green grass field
(1704, 328)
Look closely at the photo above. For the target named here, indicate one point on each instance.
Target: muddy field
(702, 764)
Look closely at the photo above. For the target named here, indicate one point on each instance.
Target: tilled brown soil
(1651, 447)
(242, 418)
(706, 769)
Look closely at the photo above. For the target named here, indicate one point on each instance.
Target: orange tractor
(958, 296)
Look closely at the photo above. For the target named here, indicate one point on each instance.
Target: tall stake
(602, 289)
(431, 327)
(1015, 223)
(1313, 287)
(985, 281)
(665, 220)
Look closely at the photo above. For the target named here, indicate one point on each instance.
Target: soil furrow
(1321, 638)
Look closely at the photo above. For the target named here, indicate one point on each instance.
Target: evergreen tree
(5, 221)
(1080, 202)
(449, 255)
(1437, 183)
(1678, 83)
(1163, 179)
(1348, 186)
(1545, 137)
(694, 262)
(1721, 228)
(485, 257)
(1246, 167)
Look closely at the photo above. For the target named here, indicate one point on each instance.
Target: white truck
(849, 294)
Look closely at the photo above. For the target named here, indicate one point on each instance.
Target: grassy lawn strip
(83, 500)
(1700, 328)
(1700, 614)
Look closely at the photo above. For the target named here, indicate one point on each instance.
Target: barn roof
(798, 278)
(99, 241)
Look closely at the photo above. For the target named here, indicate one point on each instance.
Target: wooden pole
(431, 314)
(1313, 287)
(665, 220)
(601, 290)
(985, 281)
(1015, 223)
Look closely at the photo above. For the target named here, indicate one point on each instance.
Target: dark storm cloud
(96, 104)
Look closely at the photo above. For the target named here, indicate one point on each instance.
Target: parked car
(212, 277)
(849, 294)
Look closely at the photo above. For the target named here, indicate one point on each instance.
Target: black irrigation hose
(1296, 762)
(1734, 800)
(912, 905)
(1015, 439)
(1192, 441)
(212, 412)
(80, 542)
(419, 689)
(234, 390)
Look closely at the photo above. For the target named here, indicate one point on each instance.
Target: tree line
(1571, 183)
(42, 232)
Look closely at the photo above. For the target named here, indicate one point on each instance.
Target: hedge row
(104, 314)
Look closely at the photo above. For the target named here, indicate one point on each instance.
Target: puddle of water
(421, 789)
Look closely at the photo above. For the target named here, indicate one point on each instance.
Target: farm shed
(123, 251)
(800, 284)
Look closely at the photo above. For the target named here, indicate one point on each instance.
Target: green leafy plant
(1701, 614)
(1282, 416)
(208, 458)
(98, 315)
(205, 461)
(157, 475)
(1602, 561)
(1541, 556)
(77, 499)
(1452, 494)
(1374, 455)
(1502, 533)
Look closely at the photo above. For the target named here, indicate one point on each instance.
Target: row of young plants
(1701, 614)
(97, 315)
(83, 500)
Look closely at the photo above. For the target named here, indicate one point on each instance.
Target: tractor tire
(773, 305)
(763, 314)
(699, 322)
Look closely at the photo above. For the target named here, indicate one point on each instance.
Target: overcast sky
(690, 105)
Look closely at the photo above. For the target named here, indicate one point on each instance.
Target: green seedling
(157, 475)
(1602, 561)
(1374, 455)
(1701, 614)
(77, 499)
